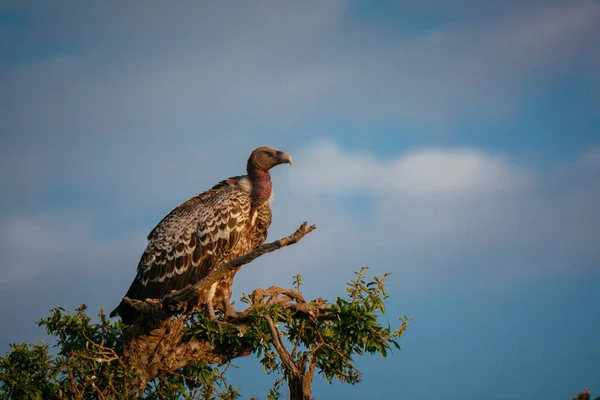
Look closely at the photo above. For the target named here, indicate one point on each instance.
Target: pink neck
(261, 187)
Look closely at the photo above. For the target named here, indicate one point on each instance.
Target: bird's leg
(209, 304)
(211, 310)
(230, 312)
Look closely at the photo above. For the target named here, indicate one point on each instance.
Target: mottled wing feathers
(202, 228)
(263, 221)
(191, 240)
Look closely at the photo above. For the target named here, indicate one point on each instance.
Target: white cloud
(438, 215)
(433, 215)
(462, 173)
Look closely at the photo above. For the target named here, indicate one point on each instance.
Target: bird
(203, 233)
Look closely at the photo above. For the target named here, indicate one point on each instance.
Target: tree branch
(162, 351)
(174, 302)
(281, 350)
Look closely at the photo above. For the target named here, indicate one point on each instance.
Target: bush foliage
(87, 361)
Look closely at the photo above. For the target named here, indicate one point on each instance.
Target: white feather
(245, 184)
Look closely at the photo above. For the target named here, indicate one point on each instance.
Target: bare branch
(174, 302)
(190, 292)
(281, 350)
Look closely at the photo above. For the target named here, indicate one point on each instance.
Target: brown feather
(194, 239)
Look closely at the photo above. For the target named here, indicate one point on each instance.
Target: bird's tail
(127, 313)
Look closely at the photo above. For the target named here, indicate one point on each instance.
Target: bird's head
(264, 158)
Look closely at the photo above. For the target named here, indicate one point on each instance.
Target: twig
(281, 350)
(288, 299)
(103, 350)
(301, 329)
(182, 376)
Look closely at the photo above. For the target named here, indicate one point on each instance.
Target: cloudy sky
(455, 144)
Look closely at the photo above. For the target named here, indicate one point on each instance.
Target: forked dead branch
(155, 310)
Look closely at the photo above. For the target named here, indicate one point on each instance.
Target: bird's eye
(268, 154)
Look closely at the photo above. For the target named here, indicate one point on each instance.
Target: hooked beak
(284, 158)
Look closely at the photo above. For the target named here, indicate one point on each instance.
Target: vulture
(205, 232)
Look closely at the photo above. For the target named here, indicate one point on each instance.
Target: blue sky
(454, 144)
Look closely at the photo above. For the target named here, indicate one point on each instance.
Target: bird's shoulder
(224, 207)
